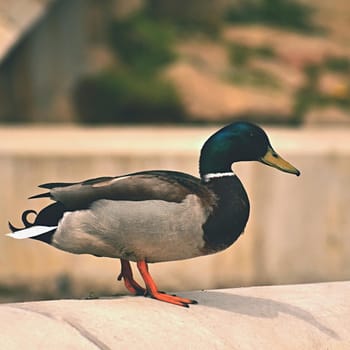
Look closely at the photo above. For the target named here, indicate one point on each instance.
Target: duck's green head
(240, 141)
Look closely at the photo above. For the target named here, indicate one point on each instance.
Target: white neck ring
(208, 177)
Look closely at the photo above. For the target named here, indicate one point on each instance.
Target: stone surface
(327, 116)
(288, 76)
(211, 57)
(298, 229)
(16, 17)
(298, 50)
(285, 317)
(332, 17)
(334, 85)
(210, 98)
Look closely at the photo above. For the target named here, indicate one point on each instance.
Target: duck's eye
(275, 155)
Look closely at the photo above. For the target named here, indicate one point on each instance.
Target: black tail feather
(25, 217)
(41, 195)
(13, 228)
(48, 216)
(52, 185)
(25, 221)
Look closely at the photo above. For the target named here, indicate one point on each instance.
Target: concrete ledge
(309, 316)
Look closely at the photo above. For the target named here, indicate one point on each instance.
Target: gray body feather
(152, 230)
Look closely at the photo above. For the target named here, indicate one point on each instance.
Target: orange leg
(153, 290)
(130, 283)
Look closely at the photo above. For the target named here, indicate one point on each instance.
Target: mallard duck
(155, 216)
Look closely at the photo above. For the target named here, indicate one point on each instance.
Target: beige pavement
(310, 316)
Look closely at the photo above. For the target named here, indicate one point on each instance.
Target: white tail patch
(31, 232)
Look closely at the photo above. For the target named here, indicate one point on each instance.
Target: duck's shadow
(260, 307)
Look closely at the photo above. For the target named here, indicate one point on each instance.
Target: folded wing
(168, 186)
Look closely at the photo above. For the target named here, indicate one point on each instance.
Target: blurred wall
(267, 61)
(40, 70)
(298, 229)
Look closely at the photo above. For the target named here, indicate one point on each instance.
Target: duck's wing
(169, 186)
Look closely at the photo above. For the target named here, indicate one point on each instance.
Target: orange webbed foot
(173, 299)
(153, 290)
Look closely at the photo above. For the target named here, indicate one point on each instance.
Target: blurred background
(91, 88)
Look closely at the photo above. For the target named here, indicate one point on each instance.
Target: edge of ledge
(312, 316)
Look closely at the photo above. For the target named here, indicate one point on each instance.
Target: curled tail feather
(25, 220)
(42, 227)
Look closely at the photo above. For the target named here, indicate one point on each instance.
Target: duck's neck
(214, 165)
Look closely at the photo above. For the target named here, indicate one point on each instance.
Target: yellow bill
(271, 158)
